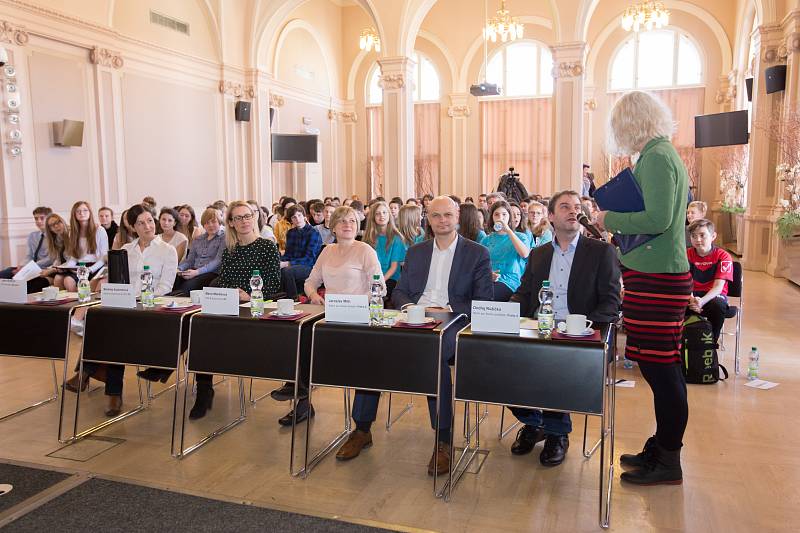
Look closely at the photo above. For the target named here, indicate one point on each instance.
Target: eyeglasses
(82, 211)
(239, 218)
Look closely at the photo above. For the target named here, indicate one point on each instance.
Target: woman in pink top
(347, 266)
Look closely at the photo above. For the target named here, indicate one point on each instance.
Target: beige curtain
(685, 104)
(426, 149)
(375, 150)
(517, 133)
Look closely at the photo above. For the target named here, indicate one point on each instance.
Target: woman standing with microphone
(656, 279)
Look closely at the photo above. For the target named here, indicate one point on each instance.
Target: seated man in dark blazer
(444, 274)
(585, 277)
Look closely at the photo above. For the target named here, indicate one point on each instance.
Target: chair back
(118, 267)
(735, 286)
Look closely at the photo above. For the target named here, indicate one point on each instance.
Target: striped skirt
(653, 310)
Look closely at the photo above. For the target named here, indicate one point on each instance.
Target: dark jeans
(299, 273)
(390, 285)
(501, 292)
(34, 285)
(182, 287)
(115, 375)
(552, 422)
(714, 311)
(670, 401)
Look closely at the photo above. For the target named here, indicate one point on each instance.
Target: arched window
(425, 79)
(656, 59)
(522, 69)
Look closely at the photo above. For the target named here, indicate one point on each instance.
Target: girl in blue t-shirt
(409, 225)
(508, 251)
(382, 235)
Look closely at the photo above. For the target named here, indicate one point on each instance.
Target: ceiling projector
(484, 89)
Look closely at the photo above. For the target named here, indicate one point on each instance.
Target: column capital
(459, 106)
(13, 33)
(396, 73)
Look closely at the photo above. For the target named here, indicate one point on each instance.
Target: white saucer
(404, 319)
(293, 313)
(587, 332)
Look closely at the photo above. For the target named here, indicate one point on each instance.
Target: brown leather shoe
(76, 382)
(441, 458)
(357, 441)
(113, 405)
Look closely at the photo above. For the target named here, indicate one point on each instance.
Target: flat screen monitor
(298, 148)
(721, 129)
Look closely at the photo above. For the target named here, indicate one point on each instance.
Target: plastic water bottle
(84, 290)
(545, 313)
(752, 368)
(146, 296)
(256, 296)
(376, 302)
(498, 226)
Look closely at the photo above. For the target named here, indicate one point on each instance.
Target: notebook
(622, 194)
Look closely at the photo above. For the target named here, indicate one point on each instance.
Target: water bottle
(146, 295)
(545, 312)
(498, 226)
(256, 296)
(752, 368)
(376, 301)
(84, 290)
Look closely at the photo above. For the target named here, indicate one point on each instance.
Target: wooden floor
(740, 460)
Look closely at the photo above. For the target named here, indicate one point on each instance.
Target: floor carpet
(26, 482)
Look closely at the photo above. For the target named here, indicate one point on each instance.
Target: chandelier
(647, 14)
(504, 25)
(369, 38)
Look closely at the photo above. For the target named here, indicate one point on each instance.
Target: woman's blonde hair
(339, 214)
(543, 224)
(55, 243)
(231, 236)
(371, 234)
(635, 119)
(408, 223)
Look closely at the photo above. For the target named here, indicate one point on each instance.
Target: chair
(735, 290)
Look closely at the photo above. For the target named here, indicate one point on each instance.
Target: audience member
(202, 263)
(383, 236)
(325, 229)
(470, 223)
(538, 224)
(394, 207)
(483, 214)
(105, 217)
(188, 222)
(587, 182)
(264, 229)
(493, 197)
(150, 202)
(408, 225)
(283, 225)
(412, 201)
(508, 250)
(125, 232)
(303, 244)
(85, 245)
(584, 276)
(712, 270)
(519, 219)
(482, 202)
(358, 207)
(167, 221)
(316, 213)
(37, 251)
(56, 234)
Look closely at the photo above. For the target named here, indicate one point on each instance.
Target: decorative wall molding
(590, 104)
(13, 34)
(106, 58)
(238, 90)
(568, 70)
(793, 43)
(392, 81)
(348, 117)
(726, 95)
(276, 100)
(459, 111)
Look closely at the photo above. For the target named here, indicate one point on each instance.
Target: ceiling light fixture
(647, 15)
(369, 39)
(503, 25)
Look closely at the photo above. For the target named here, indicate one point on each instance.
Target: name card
(347, 308)
(13, 291)
(218, 301)
(121, 295)
(495, 317)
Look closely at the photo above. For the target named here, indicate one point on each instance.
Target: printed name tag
(348, 308)
(495, 317)
(217, 301)
(122, 295)
(13, 291)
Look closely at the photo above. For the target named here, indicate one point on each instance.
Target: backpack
(699, 352)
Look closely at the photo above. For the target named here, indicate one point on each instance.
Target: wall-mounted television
(721, 129)
(298, 148)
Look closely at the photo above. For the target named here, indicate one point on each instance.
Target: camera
(3, 57)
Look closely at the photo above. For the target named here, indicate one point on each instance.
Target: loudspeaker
(271, 116)
(776, 78)
(748, 84)
(242, 112)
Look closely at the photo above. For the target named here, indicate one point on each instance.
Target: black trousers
(182, 287)
(715, 311)
(501, 292)
(670, 401)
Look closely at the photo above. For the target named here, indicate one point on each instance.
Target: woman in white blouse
(148, 249)
(169, 230)
(87, 243)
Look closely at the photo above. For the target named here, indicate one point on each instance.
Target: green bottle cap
(546, 283)
(256, 273)
(146, 268)
(754, 348)
(376, 277)
(81, 264)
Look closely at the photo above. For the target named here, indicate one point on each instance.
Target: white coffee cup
(415, 314)
(50, 293)
(577, 324)
(197, 296)
(285, 306)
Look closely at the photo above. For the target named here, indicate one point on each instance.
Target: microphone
(583, 220)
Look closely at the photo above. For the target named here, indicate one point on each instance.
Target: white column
(398, 126)
(568, 71)
(459, 112)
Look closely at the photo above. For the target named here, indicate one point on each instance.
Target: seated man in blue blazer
(444, 274)
(585, 277)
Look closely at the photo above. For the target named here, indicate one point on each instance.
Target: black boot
(638, 460)
(203, 402)
(664, 468)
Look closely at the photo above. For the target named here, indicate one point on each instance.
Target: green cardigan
(664, 182)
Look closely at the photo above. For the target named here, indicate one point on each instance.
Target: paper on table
(761, 384)
(28, 272)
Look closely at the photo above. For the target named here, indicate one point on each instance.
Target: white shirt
(436, 288)
(162, 260)
(560, 268)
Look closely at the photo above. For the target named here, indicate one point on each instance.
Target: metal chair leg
(509, 429)
(40, 402)
(389, 420)
(309, 464)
